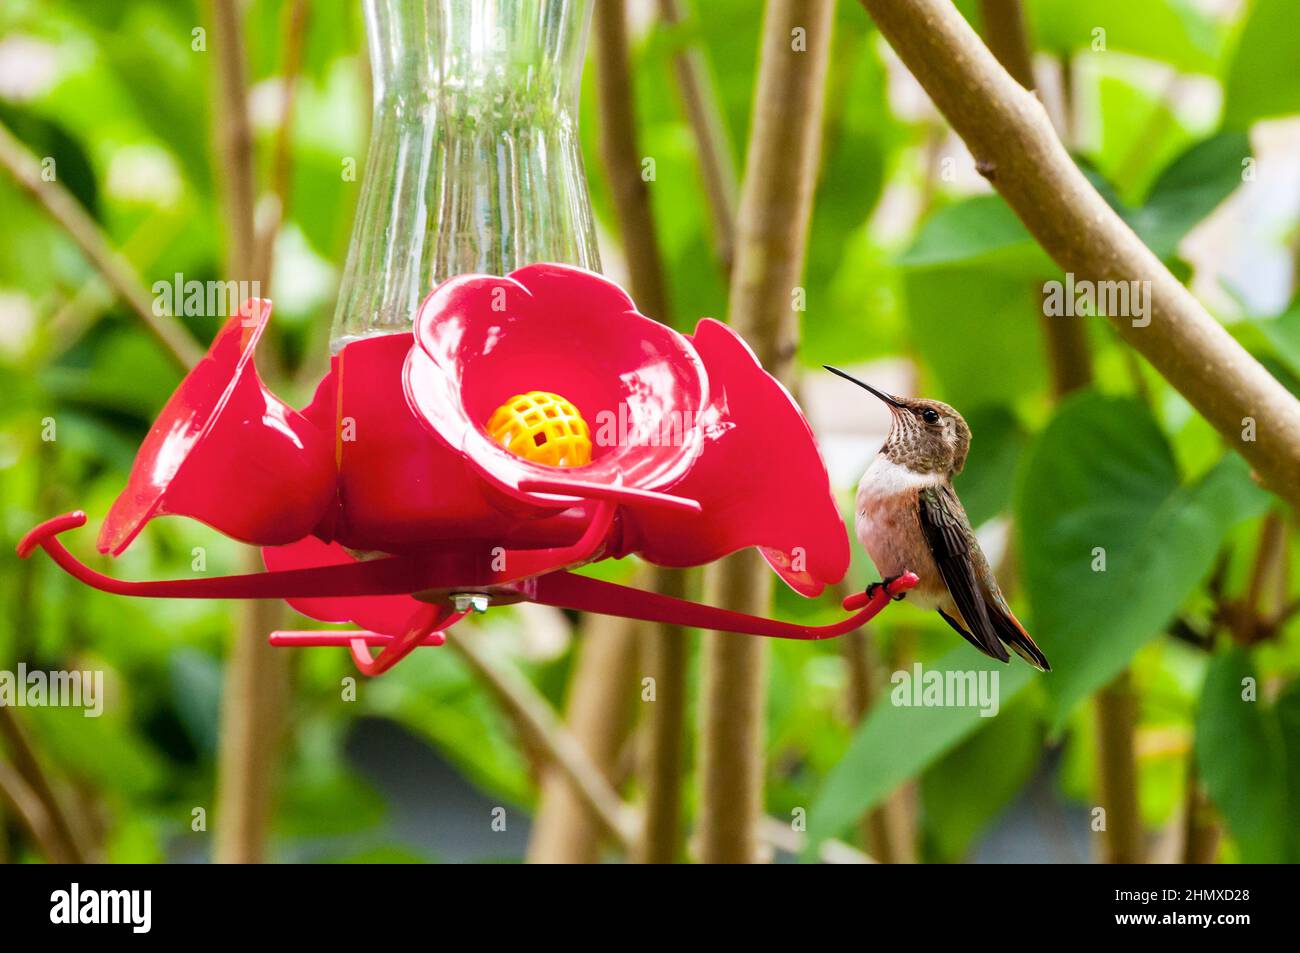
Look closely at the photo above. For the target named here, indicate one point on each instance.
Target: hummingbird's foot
(885, 584)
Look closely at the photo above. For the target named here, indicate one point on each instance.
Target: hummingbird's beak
(887, 398)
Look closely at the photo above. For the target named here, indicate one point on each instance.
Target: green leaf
(1177, 32)
(159, 57)
(966, 230)
(196, 695)
(327, 802)
(1261, 79)
(731, 35)
(1241, 759)
(52, 142)
(971, 785)
(1189, 189)
(322, 794)
(861, 318)
(1283, 332)
(985, 484)
(1099, 484)
(983, 228)
(860, 133)
(860, 129)
(979, 328)
(127, 374)
(106, 751)
(1137, 134)
(1287, 710)
(1184, 193)
(896, 742)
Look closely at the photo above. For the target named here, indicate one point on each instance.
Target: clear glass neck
(474, 163)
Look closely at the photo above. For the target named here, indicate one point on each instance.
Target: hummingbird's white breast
(885, 478)
(889, 527)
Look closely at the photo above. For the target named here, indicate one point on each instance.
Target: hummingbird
(909, 518)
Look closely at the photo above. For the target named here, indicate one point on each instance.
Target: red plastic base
(434, 579)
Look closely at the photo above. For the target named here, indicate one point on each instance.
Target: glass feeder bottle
(474, 163)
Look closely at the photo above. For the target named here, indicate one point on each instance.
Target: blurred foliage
(904, 259)
(1113, 543)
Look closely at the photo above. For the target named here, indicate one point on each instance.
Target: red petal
(760, 478)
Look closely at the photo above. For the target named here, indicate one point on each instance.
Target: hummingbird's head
(927, 436)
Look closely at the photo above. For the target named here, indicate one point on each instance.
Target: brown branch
(1285, 614)
(830, 851)
(713, 145)
(771, 234)
(295, 37)
(1007, 37)
(618, 148)
(116, 270)
(75, 315)
(1116, 718)
(1066, 337)
(665, 658)
(56, 834)
(1247, 619)
(1069, 358)
(254, 702)
(1065, 124)
(1200, 834)
(1267, 568)
(663, 648)
(33, 812)
(234, 139)
(254, 696)
(86, 817)
(730, 761)
(1012, 140)
(597, 715)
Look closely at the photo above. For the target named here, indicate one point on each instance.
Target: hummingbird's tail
(1014, 635)
(1008, 629)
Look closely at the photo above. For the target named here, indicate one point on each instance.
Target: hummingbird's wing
(947, 532)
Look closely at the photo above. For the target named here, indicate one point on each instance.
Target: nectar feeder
(472, 446)
(495, 527)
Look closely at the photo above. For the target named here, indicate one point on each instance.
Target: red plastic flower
(694, 416)
(639, 384)
(227, 452)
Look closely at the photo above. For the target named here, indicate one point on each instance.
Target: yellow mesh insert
(544, 428)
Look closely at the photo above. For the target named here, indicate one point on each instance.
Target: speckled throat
(910, 445)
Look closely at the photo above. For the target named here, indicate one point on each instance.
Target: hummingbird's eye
(930, 415)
